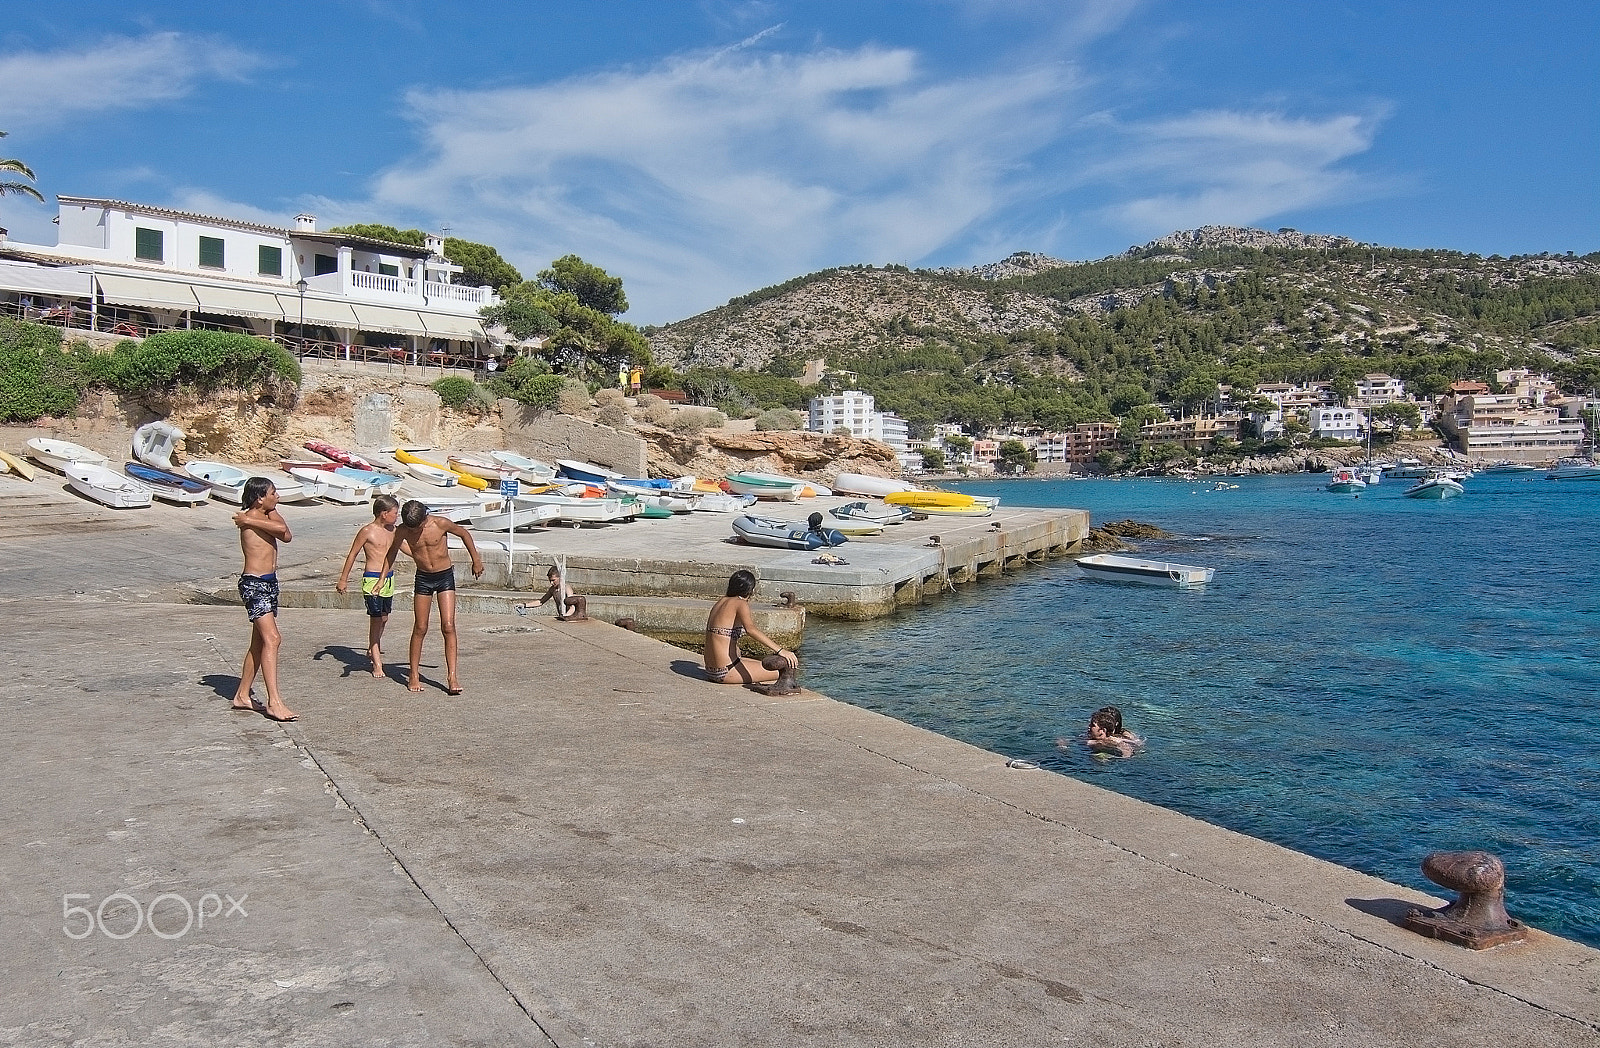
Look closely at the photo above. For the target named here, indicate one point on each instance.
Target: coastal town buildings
(1524, 424)
(132, 269)
(1336, 423)
(857, 413)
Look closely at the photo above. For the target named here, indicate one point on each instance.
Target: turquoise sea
(1367, 679)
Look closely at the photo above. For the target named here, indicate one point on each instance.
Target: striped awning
(143, 291)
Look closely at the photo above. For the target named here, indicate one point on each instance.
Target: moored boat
(1345, 482)
(1575, 469)
(106, 486)
(1435, 488)
(59, 454)
(784, 534)
(1117, 568)
(863, 484)
(169, 486)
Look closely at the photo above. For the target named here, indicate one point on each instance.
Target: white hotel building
(857, 412)
(130, 269)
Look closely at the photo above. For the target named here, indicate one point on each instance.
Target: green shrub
(456, 392)
(614, 415)
(573, 398)
(777, 419)
(36, 377)
(204, 360)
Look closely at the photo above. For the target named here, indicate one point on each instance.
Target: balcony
(406, 291)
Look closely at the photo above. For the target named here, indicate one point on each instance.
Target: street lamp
(300, 286)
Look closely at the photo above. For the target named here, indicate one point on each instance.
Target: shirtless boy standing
(372, 542)
(436, 576)
(261, 528)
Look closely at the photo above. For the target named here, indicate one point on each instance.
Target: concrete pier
(595, 846)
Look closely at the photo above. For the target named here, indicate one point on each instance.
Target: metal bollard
(1476, 920)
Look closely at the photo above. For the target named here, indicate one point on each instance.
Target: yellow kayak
(464, 479)
(17, 466)
(930, 499)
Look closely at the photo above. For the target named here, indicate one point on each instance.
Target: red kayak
(339, 455)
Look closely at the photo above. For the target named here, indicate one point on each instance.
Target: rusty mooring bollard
(1478, 919)
(788, 599)
(628, 624)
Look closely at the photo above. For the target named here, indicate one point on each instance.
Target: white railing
(478, 296)
(384, 282)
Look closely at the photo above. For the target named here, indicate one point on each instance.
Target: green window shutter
(270, 261)
(211, 252)
(148, 244)
(387, 270)
(325, 264)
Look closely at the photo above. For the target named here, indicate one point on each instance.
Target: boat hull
(1114, 568)
(168, 486)
(863, 484)
(1436, 489)
(59, 454)
(783, 534)
(18, 466)
(107, 487)
(776, 491)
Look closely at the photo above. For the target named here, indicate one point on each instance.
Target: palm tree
(18, 188)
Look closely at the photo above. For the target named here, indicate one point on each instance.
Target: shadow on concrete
(1392, 910)
(224, 684)
(355, 661)
(685, 668)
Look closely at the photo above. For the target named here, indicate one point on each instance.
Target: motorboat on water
(1117, 568)
(169, 486)
(106, 486)
(1408, 469)
(1504, 468)
(59, 454)
(1575, 469)
(1345, 482)
(784, 534)
(1436, 487)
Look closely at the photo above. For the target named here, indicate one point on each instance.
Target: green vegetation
(39, 378)
(11, 166)
(463, 394)
(481, 264)
(528, 380)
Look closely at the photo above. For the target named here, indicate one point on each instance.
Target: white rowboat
(116, 490)
(59, 454)
(1113, 567)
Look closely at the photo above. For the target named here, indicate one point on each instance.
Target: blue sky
(700, 150)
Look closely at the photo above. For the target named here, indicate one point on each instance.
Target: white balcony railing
(384, 282)
(477, 296)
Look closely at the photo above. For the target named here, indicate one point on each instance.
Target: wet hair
(255, 489)
(1109, 719)
(413, 513)
(742, 583)
(383, 504)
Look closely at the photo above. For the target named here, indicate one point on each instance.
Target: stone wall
(543, 434)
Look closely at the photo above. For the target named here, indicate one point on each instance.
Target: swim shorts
(380, 600)
(260, 594)
(430, 582)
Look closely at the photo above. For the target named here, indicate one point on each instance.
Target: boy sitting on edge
(570, 608)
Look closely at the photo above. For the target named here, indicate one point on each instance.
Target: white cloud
(43, 88)
(707, 175)
(1235, 168)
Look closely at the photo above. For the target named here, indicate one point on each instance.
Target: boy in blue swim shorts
(261, 528)
(372, 541)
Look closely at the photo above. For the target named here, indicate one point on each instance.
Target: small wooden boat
(529, 469)
(411, 461)
(339, 455)
(762, 488)
(784, 534)
(114, 489)
(862, 484)
(381, 483)
(169, 486)
(59, 454)
(587, 472)
(480, 466)
(154, 444)
(875, 514)
(1116, 568)
(17, 466)
(327, 484)
(514, 518)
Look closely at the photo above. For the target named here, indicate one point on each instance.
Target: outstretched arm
(466, 540)
(743, 617)
(350, 559)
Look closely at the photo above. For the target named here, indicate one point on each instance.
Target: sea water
(1367, 679)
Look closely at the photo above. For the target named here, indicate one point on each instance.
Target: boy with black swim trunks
(261, 528)
(372, 542)
(427, 537)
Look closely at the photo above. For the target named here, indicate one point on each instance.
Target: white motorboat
(59, 454)
(528, 469)
(721, 502)
(1575, 469)
(154, 444)
(1435, 488)
(516, 517)
(326, 484)
(117, 490)
(1408, 469)
(862, 484)
(1118, 568)
(1503, 468)
(381, 483)
(579, 511)
(1345, 482)
(439, 478)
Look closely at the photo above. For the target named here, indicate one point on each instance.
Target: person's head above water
(1108, 719)
(742, 583)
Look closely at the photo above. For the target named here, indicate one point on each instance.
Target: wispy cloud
(1235, 167)
(706, 174)
(42, 88)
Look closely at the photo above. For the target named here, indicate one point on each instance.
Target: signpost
(508, 496)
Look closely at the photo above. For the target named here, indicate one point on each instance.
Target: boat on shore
(1437, 487)
(380, 483)
(579, 510)
(154, 444)
(865, 484)
(326, 484)
(764, 487)
(785, 534)
(587, 472)
(337, 454)
(169, 486)
(17, 466)
(884, 514)
(107, 486)
(1117, 568)
(527, 469)
(511, 519)
(59, 454)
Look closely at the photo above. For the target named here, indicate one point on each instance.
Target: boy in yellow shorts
(373, 541)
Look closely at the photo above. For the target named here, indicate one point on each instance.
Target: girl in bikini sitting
(730, 620)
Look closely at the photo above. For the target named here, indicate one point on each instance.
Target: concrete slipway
(593, 846)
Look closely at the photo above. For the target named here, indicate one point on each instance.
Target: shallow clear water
(1367, 679)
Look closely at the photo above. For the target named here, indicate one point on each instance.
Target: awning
(239, 302)
(318, 311)
(48, 280)
(443, 325)
(387, 318)
(142, 291)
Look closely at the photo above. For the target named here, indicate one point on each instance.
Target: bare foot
(453, 689)
(279, 712)
(378, 674)
(415, 685)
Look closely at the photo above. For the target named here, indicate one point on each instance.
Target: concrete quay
(594, 846)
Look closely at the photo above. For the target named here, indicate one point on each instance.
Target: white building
(1377, 388)
(132, 268)
(1335, 423)
(857, 413)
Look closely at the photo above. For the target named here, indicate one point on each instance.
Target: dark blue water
(1367, 679)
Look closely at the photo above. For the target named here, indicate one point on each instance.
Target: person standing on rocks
(427, 536)
(261, 528)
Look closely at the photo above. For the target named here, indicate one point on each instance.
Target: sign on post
(508, 495)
